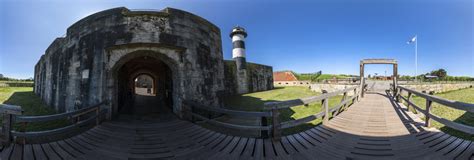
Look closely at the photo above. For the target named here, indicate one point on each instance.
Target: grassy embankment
(255, 101)
(459, 116)
(31, 105)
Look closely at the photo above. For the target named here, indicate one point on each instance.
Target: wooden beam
(379, 61)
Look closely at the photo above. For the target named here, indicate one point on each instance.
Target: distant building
(1, 75)
(384, 78)
(287, 78)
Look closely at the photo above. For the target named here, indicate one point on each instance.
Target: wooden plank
(302, 141)
(75, 152)
(259, 151)
(268, 149)
(239, 149)
(6, 152)
(288, 146)
(220, 146)
(295, 143)
(39, 153)
(451, 146)
(226, 151)
(458, 150)
(60, 151)
(249, 148)
(17, 152)
(280, 151)
(467, 154)
(215, 142)
(28, 152)
(49, 151)
(205, 137)
(207, 142)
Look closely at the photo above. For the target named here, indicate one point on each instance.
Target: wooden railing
(13, 115)
(271, 112)
(429, 98)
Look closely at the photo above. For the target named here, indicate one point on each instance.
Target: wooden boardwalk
(374, 128)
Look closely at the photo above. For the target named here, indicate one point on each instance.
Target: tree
(441, 73)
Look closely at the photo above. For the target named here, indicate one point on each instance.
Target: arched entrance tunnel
(145, 88)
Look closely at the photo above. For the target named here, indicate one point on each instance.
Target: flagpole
(416, 57)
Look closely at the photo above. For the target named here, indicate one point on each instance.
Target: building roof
(284, 76)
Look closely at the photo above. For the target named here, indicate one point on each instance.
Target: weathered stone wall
(79, 70)
(260, 77)
(437, 88)
(318, 87)
(419, 87)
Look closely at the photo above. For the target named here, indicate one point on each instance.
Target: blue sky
(303, 36)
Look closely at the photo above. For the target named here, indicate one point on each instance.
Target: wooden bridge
(373, 127)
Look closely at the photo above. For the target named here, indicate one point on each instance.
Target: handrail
(228, 111)
(55, 116)
(57, 130)
(271, 111)
(304, 101)
(230, 125)
(12, 115)
(428, 116)
(453, 104)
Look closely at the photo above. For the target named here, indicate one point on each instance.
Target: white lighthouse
(238, 36)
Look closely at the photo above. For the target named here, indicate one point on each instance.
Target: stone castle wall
(259, 77)
(79, 70)
(318, 87)
(437, 88)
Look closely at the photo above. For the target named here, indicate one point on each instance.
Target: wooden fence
(429, 98)
(271, 112)
(13, 115)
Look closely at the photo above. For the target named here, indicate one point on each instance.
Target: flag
(412, 40)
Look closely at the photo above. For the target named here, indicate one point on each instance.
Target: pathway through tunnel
(145, 90)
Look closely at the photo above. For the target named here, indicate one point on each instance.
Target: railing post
(342, 100)
(398, 93)
(427, 113)
(264, 133)
(9, 112)
(408, 105)
(276, 131)
(355, 94)
(324, 105)
(97, 119)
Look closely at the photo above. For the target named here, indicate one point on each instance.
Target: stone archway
(144, 83)
(140, 105)
(161, 56)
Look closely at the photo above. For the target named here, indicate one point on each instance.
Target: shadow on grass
(466, 119)
(250, 103)
(32, 105)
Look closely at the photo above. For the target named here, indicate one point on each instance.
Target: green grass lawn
(255, 101)
(31, 105)
(459, 116)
